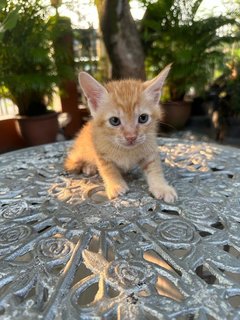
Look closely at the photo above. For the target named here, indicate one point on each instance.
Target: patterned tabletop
(66, 252)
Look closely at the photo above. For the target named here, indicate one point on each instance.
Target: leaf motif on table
(94, 261)
(222, 259)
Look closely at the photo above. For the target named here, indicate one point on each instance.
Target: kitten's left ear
(154, 86)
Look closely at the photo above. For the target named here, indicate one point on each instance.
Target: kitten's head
(125, 111)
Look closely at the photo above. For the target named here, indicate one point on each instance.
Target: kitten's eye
(143, 118)
(114, 121)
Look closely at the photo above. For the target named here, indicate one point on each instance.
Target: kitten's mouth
(132, 144)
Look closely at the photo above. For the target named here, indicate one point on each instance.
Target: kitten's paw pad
(165, 192)
(89, 169)
(115, 190)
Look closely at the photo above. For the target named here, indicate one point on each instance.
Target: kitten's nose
(131, 139)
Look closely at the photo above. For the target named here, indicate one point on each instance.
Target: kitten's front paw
(115, 190)
(164, 192)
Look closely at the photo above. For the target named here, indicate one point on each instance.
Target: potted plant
(28, 72)
(223, 97)
(172, 33)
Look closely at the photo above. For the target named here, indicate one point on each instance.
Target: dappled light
(131, 255)
(200, 159)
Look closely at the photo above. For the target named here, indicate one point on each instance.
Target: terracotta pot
(175, 114)
(38, 129)
(10, 137)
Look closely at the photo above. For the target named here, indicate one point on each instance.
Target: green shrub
(27, 66)
(171, 33)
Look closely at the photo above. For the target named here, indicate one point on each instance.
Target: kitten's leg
(73, 163)
(81, 157)
(158, 186)
(113, 180)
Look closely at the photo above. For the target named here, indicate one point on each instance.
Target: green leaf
(1, 32)
(11, 20)
(3, 4)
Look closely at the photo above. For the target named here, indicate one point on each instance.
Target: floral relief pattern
(67, 252)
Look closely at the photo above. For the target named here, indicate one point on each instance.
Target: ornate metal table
(66, 252)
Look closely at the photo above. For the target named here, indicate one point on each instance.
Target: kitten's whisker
(168, 125)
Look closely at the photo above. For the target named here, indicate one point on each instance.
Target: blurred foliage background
(202, 45)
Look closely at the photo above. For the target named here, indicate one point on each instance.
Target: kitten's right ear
(93, 91)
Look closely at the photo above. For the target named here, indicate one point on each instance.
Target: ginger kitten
(121, 134)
